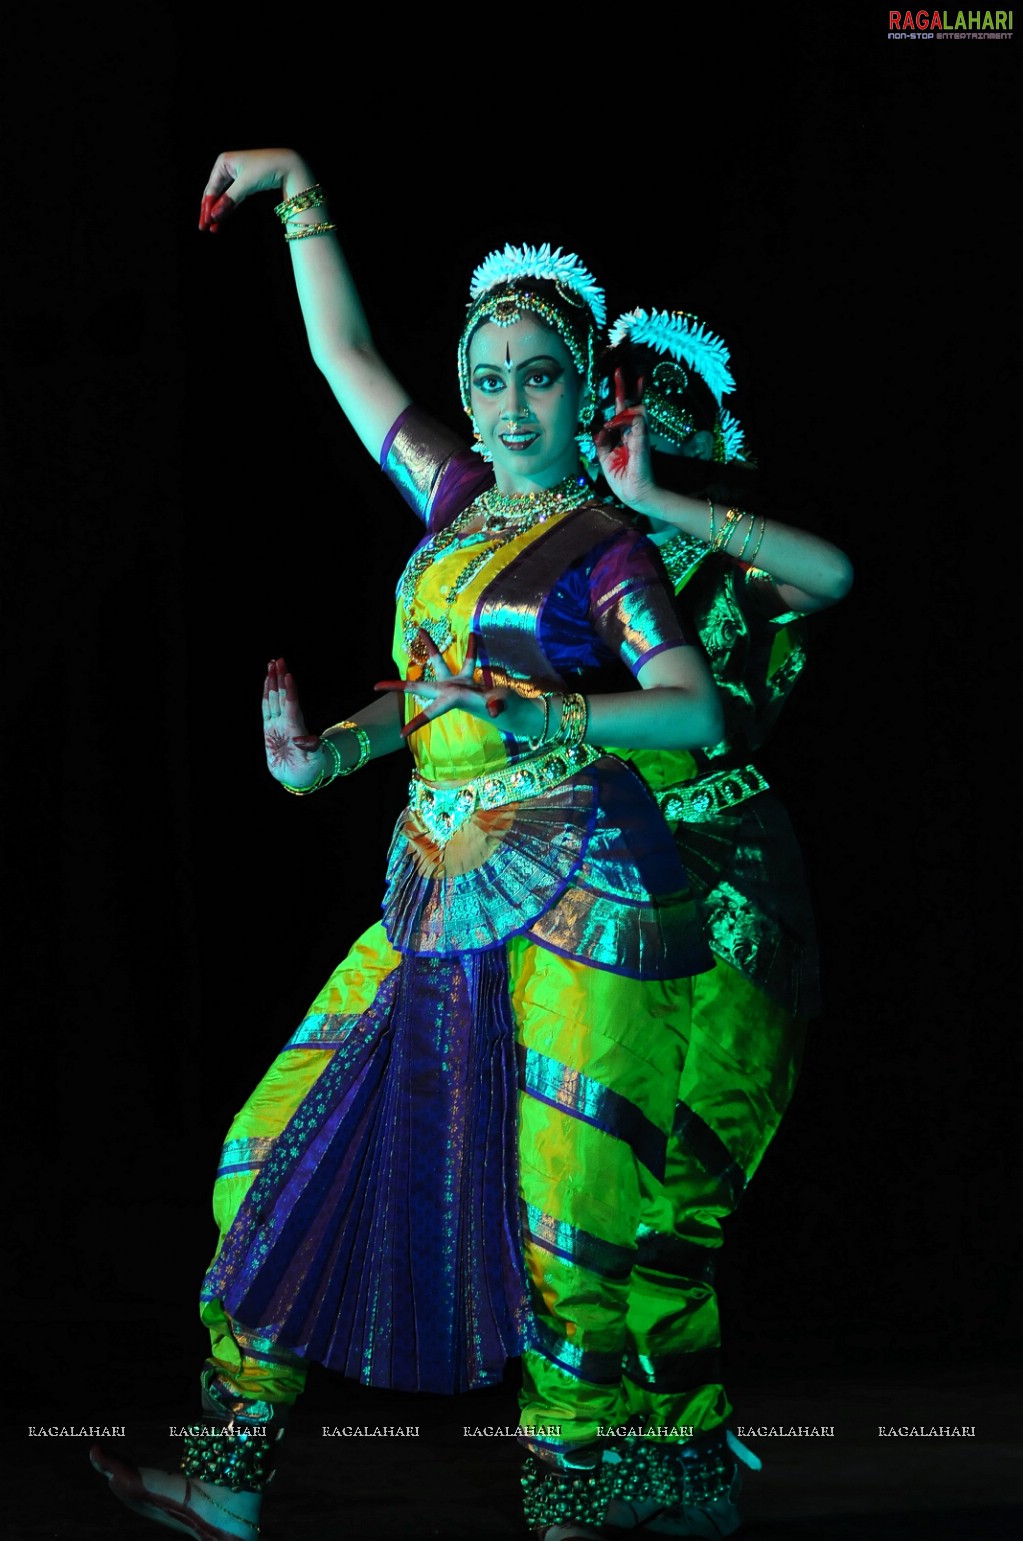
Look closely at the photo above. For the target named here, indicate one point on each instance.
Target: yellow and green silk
(602, 1056)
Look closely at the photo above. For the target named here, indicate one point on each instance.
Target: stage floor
(452, 1484)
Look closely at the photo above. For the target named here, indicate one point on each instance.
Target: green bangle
(365, 748)
(303, 791)
(325, 777)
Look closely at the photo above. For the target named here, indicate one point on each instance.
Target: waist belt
(442, 810)
(691, 802)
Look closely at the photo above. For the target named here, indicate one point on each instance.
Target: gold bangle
(574, 720)
(544, 697)
(760, 540)
(710, 537)
(302, 232)
(310, 198)
(732, 517)
(749, 535)
(362, 738)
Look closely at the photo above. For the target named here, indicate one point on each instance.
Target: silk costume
(748, 1015)
(452, 1160)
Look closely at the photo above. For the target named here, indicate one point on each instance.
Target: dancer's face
(525, 399)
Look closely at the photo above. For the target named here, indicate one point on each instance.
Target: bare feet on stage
(193, 1508)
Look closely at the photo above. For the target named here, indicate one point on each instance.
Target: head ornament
(683, 337)
(686, 347)
(515, 263)
(502, 290)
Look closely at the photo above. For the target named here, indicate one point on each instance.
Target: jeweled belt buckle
(443, 810)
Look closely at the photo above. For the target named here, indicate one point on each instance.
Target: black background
(184, 501)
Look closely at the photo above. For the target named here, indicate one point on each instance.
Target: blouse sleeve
(436, 474)
(631, 605)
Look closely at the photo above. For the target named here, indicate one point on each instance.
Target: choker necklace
(512, 510)
(503, 515)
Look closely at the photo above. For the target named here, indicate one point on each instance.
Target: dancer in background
(745, 584)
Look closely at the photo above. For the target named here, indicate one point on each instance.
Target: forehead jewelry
(575, 285)
(525, 262)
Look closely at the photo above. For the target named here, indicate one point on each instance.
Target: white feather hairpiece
(540, 262)
(684, 337)
(732, 436)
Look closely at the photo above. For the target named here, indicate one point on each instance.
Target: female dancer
(744, 585)
(389, 1204)
(750, 1012)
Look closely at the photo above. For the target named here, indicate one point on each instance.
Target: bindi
(507, 356)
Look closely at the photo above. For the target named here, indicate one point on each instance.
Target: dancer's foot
(571, 1532)
(199, 1509)
(712, 1470)
(717, 1518)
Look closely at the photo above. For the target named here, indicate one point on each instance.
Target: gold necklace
(504, 515)
(506, 510)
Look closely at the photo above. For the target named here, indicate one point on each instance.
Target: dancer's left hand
(460, 692)
(623, 449)
(294, 756)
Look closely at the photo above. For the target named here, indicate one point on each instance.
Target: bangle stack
(760, 541)
(336, 768)
(574, 721)
(299, 203)
(362, 739)
(571, 729)
(732, 518)
(718, 539)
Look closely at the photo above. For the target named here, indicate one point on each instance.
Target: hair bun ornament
(733, 439)
(684, 338)
(562, 268)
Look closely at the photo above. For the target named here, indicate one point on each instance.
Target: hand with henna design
(623, 449)
(448, 692)
(294, 756)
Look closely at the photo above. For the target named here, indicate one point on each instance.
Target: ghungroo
(230, 1455)
(704, 1466)
(552, 1497)
(673, 1477)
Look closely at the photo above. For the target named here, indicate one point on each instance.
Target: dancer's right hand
(294, 756)
(237, 174)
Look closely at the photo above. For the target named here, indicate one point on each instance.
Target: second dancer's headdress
(684, 387)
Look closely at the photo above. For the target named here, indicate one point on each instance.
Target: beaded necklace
(491, 520)
(518, 510)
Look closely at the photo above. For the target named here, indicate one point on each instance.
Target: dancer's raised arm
(339, 335)
(808, 572)
(665, 378)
